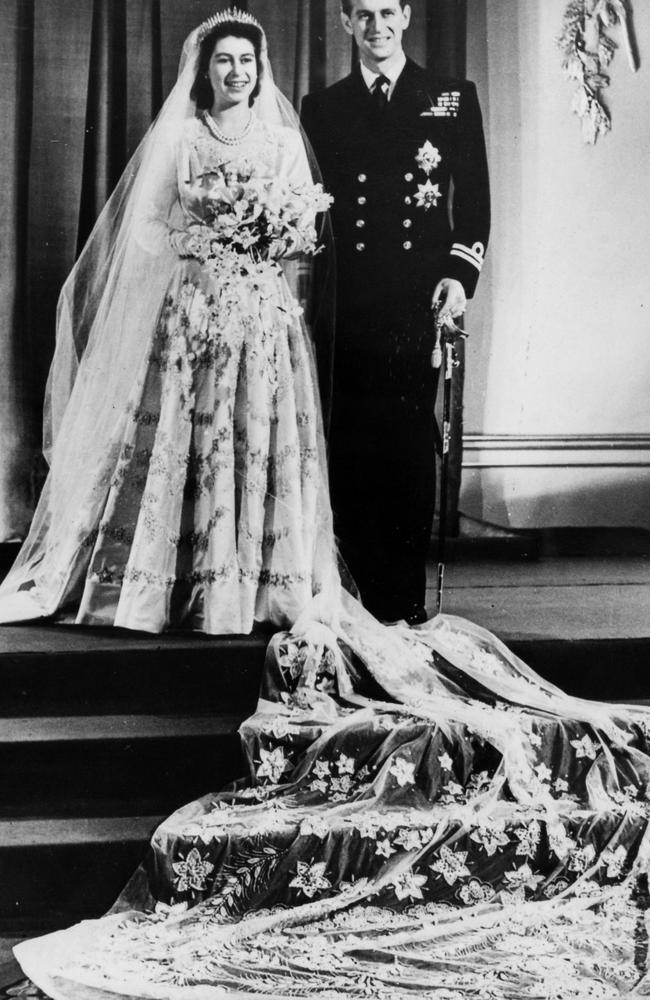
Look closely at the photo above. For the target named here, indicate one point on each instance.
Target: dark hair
(346, 5)
(202, 92)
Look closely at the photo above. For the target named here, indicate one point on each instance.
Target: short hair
(346, 5)
(202, 93)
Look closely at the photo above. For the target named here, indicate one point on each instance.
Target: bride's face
(232, 71)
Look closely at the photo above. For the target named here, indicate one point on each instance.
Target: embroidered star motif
(403, 770)
(523, 878)
(584, 748)
(273, 765)
(191, 872)
(428, 157)
(427, 195)
(310, 879)
(615, 861)
(384, 848)
(491, 835)
(451, 865)
(409, 885)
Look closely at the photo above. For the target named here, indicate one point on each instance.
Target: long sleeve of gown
(159, 221)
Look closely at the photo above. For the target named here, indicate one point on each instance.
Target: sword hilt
(446, 333)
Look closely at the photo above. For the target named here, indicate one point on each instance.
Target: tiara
(226, 17)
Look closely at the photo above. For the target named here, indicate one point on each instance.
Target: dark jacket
(395, 225)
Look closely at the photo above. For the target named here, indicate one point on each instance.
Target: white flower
(410, 840)
(368, 826)
(560, 785)
(559, 841)
(523, 878)
(278, 726)
(310, 879)
(403, 771)
(584, 747)
(491, 835)
(409, 885)
(453, 788)
(191, 872)
(273, 765)
(528, 837)
(340, 787)
(428, 157)
(543, 772)
(345, 765)
(316, 825)
(451, 865)
(322, 769)
(384, 848)
(475, 891)
(445, 761)
(582, 858)
(427, 195)
(614, 861)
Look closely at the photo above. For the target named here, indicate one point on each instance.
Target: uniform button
(407, 244)
(407, 177)
(361, 200)
(361, 247)
(362, 178)
(407, 223)
(360, 223)
(408, 200)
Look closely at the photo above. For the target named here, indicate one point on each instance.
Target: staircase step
(604, 669)
(100, 765)
(83, 728)
(52, 670)
(60, 870)
(25, 833)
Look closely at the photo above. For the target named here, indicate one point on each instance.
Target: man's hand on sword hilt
(447, 333)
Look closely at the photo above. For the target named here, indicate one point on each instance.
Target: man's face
(377, 27)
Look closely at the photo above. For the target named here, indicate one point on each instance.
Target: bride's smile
(232, 73)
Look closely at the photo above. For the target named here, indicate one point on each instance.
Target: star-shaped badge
(428, 157)
(428, 195)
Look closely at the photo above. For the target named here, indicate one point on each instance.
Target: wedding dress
(424, 816)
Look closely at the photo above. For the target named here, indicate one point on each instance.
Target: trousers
(382, 452)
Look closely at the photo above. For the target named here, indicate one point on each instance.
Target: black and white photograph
(324, 500)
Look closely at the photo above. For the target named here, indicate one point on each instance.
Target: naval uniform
(397, 232)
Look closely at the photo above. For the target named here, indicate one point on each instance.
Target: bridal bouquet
(265, 218)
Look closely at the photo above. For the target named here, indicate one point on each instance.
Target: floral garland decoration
(588, 50)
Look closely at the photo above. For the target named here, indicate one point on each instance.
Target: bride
(188, 484)
(424, 815)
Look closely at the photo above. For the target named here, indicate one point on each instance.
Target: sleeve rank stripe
(458, 250)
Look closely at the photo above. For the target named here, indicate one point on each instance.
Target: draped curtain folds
(80, 82)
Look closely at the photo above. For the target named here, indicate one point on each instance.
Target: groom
(390, 139)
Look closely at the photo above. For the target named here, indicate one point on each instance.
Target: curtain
(80, 81)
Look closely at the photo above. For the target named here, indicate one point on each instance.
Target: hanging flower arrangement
(588, 49)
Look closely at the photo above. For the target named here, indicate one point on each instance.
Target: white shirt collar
(392, 72)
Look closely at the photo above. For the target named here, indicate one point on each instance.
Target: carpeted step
(103, 765)
(57, 670)
(603, 669)
(58, 870)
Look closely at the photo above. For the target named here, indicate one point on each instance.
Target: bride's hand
(190, 242)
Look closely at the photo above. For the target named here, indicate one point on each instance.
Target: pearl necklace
(227, 140)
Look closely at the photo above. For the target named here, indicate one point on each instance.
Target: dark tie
(380, 92)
